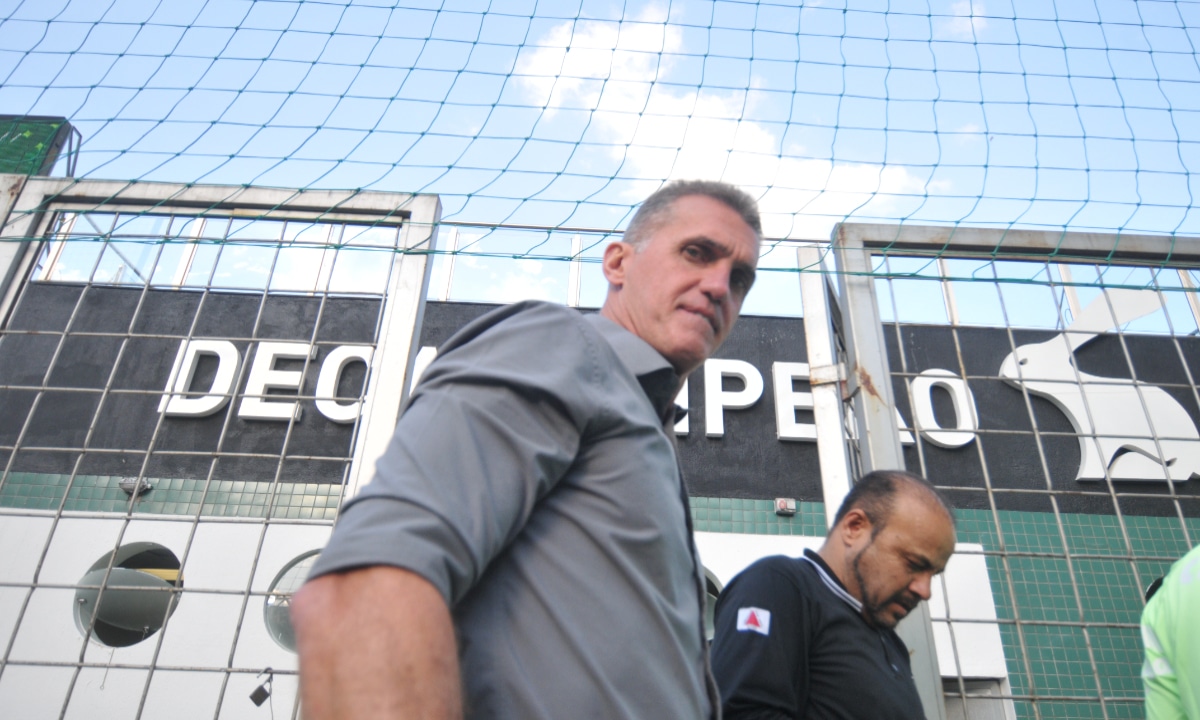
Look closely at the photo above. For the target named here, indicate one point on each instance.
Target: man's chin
(687, 357)
(885, 621)
(889, 617)
(699, 330)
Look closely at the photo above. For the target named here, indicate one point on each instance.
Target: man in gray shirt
(525, 549)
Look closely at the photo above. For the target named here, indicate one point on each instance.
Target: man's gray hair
(657, 208)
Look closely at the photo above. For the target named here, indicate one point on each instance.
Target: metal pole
(870, 387)
(826, 376)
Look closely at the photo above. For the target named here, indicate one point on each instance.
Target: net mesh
(1078, 114)
(541, 126)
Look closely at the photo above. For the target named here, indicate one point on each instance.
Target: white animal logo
(1117, 422)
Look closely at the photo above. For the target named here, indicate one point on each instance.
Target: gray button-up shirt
(532, 482)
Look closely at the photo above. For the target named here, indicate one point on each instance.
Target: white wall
(228, 566)
(216, 624)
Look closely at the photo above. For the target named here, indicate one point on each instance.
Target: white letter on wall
(327, 382)
(964, 408)
(788, 401)
(263, 375)
(682, 427)
(716, 399)
(175, 401)
(425, 355)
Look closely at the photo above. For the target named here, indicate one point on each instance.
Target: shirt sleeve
(762, 621)
(1171, 637)
(1158, 677)
(495, 422)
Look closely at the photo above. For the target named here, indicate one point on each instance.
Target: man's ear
(855, 525)
(615, 257)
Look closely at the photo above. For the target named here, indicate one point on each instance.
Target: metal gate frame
(30, 206)
(869, 384)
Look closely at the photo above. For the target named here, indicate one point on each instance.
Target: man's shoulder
(530, 335)
(780, 570)
(530, 317)
(536, 349)
(798, 565)
(779, 563)
(796, 577)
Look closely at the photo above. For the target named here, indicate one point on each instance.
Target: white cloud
(712, 144)
(658, 132)
(491, 278)
(529, 267)
(966, 22)
(517, 286)
(599, 64)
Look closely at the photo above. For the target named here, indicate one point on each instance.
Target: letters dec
(180, 399)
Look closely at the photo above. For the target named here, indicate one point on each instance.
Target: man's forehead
(927, 525)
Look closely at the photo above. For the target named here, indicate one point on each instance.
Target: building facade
(193, 378)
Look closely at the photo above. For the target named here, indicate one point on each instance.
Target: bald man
(813, 637)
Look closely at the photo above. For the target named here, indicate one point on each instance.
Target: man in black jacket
(812, 637)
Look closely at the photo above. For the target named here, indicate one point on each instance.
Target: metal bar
(403, 307)
(827, 396)
(1015, 244)
(10, 252)
(878, 433)
(23, 231)
(948, 292)
(452, 254)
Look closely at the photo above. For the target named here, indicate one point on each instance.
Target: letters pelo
(756, 386)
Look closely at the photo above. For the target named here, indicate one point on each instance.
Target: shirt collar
(831, 580)
(656, 376)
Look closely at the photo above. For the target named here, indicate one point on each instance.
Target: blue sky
(1079, 115)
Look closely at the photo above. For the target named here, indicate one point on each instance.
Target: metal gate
(192, 379)
(1049, 379)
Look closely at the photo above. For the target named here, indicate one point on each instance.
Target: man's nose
(715, 282)
(922, 586)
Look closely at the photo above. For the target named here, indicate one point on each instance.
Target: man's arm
(488, 432)
(755, 651)
(376, 642)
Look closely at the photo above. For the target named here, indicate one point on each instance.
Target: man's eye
(694, 252)
(741, 282)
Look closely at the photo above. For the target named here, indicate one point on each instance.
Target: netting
(541, 126)
(1072, 114)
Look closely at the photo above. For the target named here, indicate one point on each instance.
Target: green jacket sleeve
(1171, 636)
